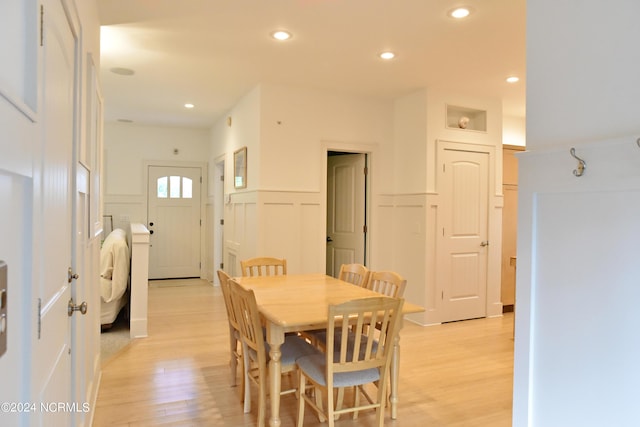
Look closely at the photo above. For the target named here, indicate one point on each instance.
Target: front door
(173, 219)
(463, 182)
(346, 217)
(51, 351)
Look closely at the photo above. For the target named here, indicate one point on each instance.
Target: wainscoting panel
(293, 227)
(577, 286)
(312, 237)
(278, 236)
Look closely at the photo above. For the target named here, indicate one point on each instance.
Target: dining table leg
(275, 338)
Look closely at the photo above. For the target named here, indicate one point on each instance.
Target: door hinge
(200, 180)
(221, 177)
(222, 222)
(222, 266)
(366, 170)
(39, 317)
(364, 228)
(200, 223)
(442, 296)
(41, 25)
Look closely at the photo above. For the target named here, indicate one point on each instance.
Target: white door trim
(371, 151)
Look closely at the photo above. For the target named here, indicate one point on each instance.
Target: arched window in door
(174, 187)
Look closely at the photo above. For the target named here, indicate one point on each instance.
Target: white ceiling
(212, 52)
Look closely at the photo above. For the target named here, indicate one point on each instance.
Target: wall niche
(464, 118)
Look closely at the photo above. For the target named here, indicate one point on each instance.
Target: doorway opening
(347, 209)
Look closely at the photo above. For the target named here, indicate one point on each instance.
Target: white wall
(577, 343)
(127, 146)
(581, 76)
(287, 132)
(514, 131)
(294, 124)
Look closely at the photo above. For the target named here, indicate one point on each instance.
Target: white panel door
(345, 211)
(51, 352)
(463, 183)
(173, 220)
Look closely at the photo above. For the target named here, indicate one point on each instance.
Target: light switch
(3, 307)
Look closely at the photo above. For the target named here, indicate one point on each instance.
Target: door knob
(485, 243)
(329, 239)
(150, 231)
(82, 308)
(71, 275)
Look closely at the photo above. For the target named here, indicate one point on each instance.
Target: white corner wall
(286, 165)
(576, 341)
(514, 131)
(412, 208)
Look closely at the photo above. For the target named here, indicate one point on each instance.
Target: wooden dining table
(300, 302)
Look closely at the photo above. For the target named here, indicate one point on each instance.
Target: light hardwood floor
(456, 374)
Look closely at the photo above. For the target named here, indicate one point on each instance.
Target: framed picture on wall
(240, 168)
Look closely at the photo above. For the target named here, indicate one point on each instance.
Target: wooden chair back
(356, 274)
(263, 266)
(357, 354)
(246, 312)
(360, 346)
(226, 293)
(387, 283)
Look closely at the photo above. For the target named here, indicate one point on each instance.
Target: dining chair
(263, 266)
(255, 349)
(356, 274)
(387, 283)
(356, 362)
(234, 330)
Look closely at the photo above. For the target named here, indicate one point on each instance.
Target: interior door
(51, 363)
(463, 182)
(173, 219)
(346, 213)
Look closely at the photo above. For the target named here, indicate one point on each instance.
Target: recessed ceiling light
(188, 105)
(123, 71)
(460, 12)
(513, 79)
(387, 55)
(281, 35)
